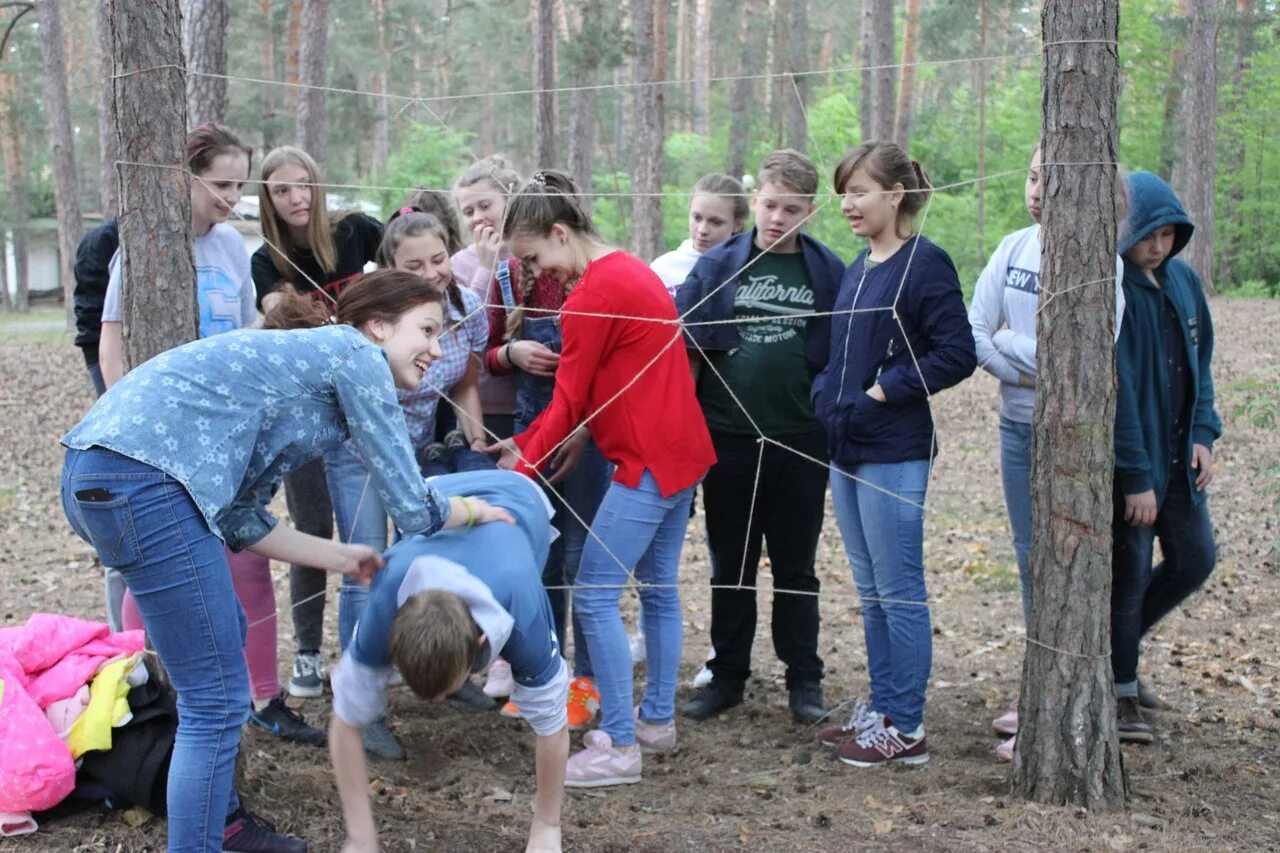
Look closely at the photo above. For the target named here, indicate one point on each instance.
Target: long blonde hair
(319, 227)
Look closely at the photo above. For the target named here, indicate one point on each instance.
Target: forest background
(432, 84)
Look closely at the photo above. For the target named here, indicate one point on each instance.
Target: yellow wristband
(471, 513)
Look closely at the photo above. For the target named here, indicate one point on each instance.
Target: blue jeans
(361, 519)
(884, 538)
(151, 531)
(582, 491)
(644, 532)
(1015, 472)
(1140, 595)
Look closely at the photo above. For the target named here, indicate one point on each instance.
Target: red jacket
(630, 376)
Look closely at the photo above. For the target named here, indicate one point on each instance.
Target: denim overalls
(584, 488)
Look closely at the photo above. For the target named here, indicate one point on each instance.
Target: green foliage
(430, 156)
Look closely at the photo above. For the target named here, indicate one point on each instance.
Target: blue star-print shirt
(228, 416)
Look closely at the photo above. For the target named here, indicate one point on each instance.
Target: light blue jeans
(643, 532)
(1015, 473)
(360, 518)
(146, 526)
(881, 520)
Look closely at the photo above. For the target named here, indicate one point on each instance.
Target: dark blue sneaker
(284, 722)
(247, 833)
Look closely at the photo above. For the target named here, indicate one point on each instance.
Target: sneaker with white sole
(1007, 723)
(884, 744)
(500, 682)
(862, 718)
(309, 674)
(655, 737)
(584, 702)
(1004, 752)
(600, 764)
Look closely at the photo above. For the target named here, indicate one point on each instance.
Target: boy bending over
(446, 606)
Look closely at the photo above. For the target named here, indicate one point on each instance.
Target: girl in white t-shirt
(717, 211)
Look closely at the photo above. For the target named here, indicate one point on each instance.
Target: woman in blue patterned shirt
(183, 455)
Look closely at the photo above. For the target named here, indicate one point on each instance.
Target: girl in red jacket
(624, 375)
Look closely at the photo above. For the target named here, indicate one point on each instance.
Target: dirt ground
(753, 779)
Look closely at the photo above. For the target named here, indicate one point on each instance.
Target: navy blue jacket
(93, 259)
(870, 347)
(714, 280)
(1143, 429)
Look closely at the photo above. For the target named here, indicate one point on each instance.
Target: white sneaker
(601, 765)
(637, 647)
(500, 682)
(309, 675)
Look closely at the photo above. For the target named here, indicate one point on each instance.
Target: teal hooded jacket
(1143, 429)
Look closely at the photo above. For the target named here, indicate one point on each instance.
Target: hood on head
(1152, 205)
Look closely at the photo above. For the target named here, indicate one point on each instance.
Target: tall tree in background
(382, 70)
(595, 44)
(158, 300)
(204, 40)
(1067, 749)
(885, 75)
(108, 143)
(701, 88)
(293, 57)
(753, 18)
(1245, 21)
(907, 81)
(798, 60)
(1194, 171)
(982, 133)
(66, 192)
(266, 95)
(16, 180)
(544, 82)
(313, 58)
(866, 77)
(646, 234)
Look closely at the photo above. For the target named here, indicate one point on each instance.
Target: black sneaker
(380, 743)
(472, 698)
(432, 454)
(247, 833)
(456, 439)
(715, 698)
(284, 722)
(1150, 700)
(1129, 723)
(806, 702)
(309, 674)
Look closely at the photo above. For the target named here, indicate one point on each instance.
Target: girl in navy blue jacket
(899, 335)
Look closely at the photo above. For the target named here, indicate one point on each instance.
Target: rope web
(680, 323)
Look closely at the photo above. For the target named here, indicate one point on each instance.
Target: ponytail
(550, 198)
(889, 166)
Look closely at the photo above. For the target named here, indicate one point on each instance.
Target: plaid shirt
(464, 335)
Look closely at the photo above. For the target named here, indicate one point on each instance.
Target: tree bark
(1067, 749)
(267, 70)
(158, 299)
(1194, 171)
(798, 51)
(204, 39)
(381, 111)
(313, 58)
(108, 144)
(883, 40)
(744, 87)
(777, 88)
(646, 232)
(16, 178)
(1235, 143)
(585, 64)
(866, 77)
(907, 80)
(62, 153)
(544, 81)
(701, 88)
(292, 58)
(982, 134)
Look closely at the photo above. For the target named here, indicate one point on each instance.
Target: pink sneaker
(655, 737)
(1007, 723)
(600, 765)
(1004, 752)
(500, 682)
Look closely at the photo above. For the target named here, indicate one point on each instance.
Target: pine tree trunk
(982, 134)
(293, 58)
(1067, 749)
(798, 103)
(15, 219)
(158, 301)
(883, 40)
(204, 39)
(267, 70)
(744, 87)
(108, 144)
(582, 102)
(1235, 155)
(313, 53)
(6, 304)
(381, 113)
(1172, 142)
(1195, 170)
(544, 81)
(646, 231)
(702, 67)
(778, 62)
(907, 81)
(66, 191)
(867, 78)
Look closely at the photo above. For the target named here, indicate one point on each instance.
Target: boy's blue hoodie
(908, 331)
(1143, 429)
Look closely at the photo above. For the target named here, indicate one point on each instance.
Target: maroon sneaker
(859, 721)
(246, 832)
(884, 744)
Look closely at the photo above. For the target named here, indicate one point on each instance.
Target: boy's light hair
(433, 639)
(790, 167)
